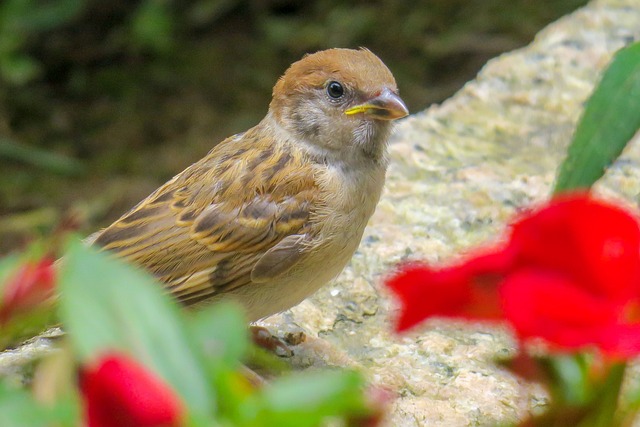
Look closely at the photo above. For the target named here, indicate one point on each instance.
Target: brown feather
(202, 232)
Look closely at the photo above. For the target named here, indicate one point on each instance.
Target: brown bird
(273, 213)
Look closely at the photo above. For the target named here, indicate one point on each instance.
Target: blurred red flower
(32, 284)
(569, 273)
(120, 392)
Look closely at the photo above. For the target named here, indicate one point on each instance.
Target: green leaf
(33, 156)
(610, 119)
(8, 266)
(602, 410)
(26, 325)
(18, 69)
(570, 378)
(630, 402)
(222, 331)
(305, 400)
(108, 305)
(30, 16)
(19, 409)
(152, 26)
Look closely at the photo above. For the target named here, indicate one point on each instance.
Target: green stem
(51, 162)
(605, 404)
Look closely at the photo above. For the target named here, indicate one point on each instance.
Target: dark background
(102, 101)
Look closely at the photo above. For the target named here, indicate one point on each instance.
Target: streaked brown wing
(203, 232)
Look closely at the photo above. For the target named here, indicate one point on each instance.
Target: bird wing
(243, 208)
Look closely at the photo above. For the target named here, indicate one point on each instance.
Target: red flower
(119, 392)
(32, 284)
(569, 273)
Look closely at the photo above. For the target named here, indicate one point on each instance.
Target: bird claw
(280, 347)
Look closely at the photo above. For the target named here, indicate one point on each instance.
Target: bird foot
(280, 347)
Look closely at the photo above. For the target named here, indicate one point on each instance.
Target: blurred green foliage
(20, 21)
(127, 93)
(108, 307)
(35, 35)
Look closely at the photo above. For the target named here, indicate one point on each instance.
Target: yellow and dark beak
(386, 106)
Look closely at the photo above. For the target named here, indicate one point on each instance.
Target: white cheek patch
(371, 136)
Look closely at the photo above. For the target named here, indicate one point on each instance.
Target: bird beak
(386, 106)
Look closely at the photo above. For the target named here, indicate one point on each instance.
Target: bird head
(338, 102)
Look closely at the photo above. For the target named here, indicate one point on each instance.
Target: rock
(458, 173)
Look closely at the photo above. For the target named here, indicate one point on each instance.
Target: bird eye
(335, 90)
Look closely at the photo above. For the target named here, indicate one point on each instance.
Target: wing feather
(203, 232)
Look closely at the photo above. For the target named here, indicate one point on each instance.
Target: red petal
(425, 292)
(495, 261)
(594, 243)
(119, 392)
(620, 341)
(551, 307)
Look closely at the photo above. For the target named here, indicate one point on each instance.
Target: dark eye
(335, 90)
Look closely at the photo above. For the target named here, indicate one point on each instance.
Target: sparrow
(270, 215)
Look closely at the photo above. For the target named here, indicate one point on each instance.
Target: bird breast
(350, 196)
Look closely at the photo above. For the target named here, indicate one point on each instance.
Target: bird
(271, 214)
